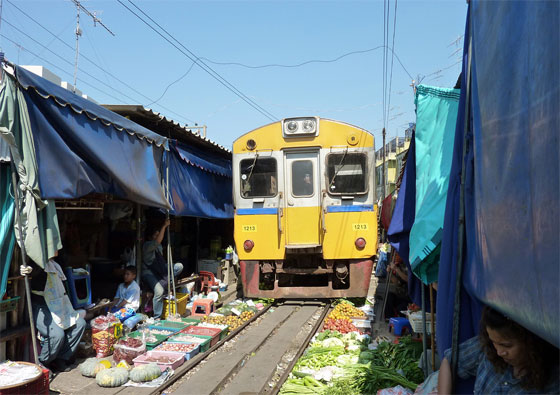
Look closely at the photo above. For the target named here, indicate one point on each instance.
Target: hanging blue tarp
(470, 306)
(402, 220)
(436, 116)
(200, 185)
(7, 236)
(84, 148)
(516, 123)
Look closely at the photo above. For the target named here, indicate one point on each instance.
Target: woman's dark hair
(541, 356)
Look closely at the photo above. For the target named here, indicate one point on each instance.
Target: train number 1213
(359, 226)
(249, 228)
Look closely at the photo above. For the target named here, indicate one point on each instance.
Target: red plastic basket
(196, 330)
(38, 386)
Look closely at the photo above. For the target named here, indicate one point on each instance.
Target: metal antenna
(96, 20)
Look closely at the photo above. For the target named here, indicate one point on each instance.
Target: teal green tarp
(436, 116)
(38, 217)
(7, 236)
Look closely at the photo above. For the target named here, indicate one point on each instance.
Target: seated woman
(155, 265)
(504, 358)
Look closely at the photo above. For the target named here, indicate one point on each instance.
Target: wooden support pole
(433, 327)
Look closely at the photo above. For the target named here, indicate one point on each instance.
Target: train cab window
(347, 173)
(258, 177)
(302, 178)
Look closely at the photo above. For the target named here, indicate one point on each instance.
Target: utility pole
(384, 176)
(96, 20)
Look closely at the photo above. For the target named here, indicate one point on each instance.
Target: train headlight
(300, 127)
(248, 245)
(360, 243)
(292, 126)
(308, 126)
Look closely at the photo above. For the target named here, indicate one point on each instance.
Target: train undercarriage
(306, 277)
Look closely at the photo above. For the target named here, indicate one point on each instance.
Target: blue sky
(428, 38)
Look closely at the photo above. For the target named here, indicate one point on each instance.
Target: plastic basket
(191, 321)
(223, 328)
(171, 325)
(39, 385)
(188, 355)
(176, 359)
(149, 346)
(169, 308)
(416, 323)
(214, 333)
(203, 341)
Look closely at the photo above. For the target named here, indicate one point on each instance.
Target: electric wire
(384, 56)
(207, 68)
(392, 59)
(63, 59)
(59, 68)
(189, 54)
(279, 65)
(96, 65)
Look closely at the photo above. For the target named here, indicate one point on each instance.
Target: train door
(303, 197)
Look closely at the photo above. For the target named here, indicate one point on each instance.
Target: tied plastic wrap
(105, 330)
(128, 349)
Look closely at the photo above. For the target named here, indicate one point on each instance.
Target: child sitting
(128, 293)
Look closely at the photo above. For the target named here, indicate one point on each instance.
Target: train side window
(347, 173)
(258, 177)
(302, 178)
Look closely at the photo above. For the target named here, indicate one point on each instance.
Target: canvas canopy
(436, 116)
(83, 148)
(200, 183)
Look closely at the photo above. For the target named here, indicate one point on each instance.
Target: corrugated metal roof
(167, 127)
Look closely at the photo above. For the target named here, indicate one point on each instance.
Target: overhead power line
(307, 61)
(58, 67)
(92, 62)
(196, 59)
(392, 59)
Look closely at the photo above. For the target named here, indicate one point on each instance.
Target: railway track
(258, 357)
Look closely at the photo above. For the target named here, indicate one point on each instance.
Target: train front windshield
(259, 177)
(347, 173)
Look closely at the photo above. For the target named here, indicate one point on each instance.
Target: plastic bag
(105, 330)
(124, 313)
(398, 390)
(128, 349)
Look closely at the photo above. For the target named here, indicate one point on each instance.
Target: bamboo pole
(24, 263)
(432, 323)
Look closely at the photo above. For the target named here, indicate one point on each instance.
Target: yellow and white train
(305, 214)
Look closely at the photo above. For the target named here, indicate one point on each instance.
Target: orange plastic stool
(202, 307)
(207, 280)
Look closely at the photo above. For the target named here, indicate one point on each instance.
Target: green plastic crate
(190, 320)
(149, 346)
(204, 346)
(171, 325)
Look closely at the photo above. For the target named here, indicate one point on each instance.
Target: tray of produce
(189, 349)
(214, 333)
(202, 341)
(224, 328)
(167, 324)
(164, 359)
(163, 330)
(128, 349)
(152, 339)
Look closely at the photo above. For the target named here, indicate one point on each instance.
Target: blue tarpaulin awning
(200, 184)
(84, 148)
